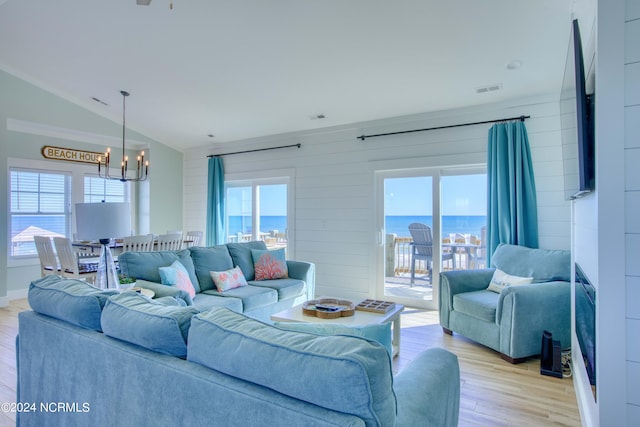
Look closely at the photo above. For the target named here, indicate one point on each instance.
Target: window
(97, 190)
(40, 205)
(258, 210)
(42, 198)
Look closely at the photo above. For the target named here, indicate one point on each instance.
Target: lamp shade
(95, 221)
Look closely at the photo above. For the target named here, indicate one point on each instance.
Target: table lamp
(102, 222)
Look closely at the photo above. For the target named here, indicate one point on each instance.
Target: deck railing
(399, 257)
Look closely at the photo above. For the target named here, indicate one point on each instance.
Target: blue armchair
(512, 320)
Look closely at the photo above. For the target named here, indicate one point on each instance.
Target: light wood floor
(493, 392)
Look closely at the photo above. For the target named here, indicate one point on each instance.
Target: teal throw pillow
(177, 275)
(269, 265)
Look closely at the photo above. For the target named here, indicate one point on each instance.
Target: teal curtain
(215, 203)
(512, 215)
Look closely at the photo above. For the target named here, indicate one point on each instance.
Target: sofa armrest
(305, 271)
(428, 390)
(161, 290)
(457, 282)
(525, 311)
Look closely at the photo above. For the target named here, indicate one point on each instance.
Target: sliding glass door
(258, 210)
(429, 221)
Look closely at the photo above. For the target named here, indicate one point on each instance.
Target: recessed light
(514, 65)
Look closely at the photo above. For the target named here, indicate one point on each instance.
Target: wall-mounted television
(576, 117)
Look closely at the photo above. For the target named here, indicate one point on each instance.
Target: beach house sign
(70, 154)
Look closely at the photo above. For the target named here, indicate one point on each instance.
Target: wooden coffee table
(360, 318)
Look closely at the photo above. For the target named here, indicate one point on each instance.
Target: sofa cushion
(228, 279)
(380, 333)
(206, 260)
(145, 265)
(142, 321)
(269, 265)
(177, 275)
(252, 297)
(343, 373)
(205, 301)
(543, 265)
(501, 280)
(71, 300)
(479, 304)
(286, 288)
(241, 255)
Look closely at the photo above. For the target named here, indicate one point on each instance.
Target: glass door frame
(436, 173)
(270, 177)
(381, 176)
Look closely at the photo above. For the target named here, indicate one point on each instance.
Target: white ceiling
(246, 68)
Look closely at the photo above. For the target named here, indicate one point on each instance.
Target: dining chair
(195, 237)
(422, 249)
(48, 260)
(139, 243)
(69, 265)
(169, 242)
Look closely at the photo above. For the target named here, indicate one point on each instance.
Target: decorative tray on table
(375, 306)
(328, 308)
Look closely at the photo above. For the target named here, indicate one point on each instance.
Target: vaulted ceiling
(246, 68)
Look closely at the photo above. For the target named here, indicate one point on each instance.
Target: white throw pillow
(501, 280)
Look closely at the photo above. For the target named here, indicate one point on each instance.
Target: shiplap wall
(632, 205)
(334, 184)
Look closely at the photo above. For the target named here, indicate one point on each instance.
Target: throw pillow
(501, 280)
(228, 279)
(177, 275)
(269, 265)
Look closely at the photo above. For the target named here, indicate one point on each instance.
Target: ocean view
(398, 224)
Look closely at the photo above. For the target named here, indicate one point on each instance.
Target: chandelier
(142, 167)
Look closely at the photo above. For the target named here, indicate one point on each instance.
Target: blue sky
(461, 195)
(273, 200)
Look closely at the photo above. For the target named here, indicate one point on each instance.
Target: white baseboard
(13, 295)
(18, 294)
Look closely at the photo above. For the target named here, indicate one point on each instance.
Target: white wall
(607, 224)
(632, 205)
(334, 181)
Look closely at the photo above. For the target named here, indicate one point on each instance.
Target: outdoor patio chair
(422, 248)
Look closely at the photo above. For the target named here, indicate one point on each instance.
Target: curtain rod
(521, 118)
(257, 149)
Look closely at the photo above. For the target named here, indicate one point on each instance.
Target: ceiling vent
(490, 88)
(99, 100)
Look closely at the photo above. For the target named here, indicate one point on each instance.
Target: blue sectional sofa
(259, 299)
(511, 320)
(87, 357)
